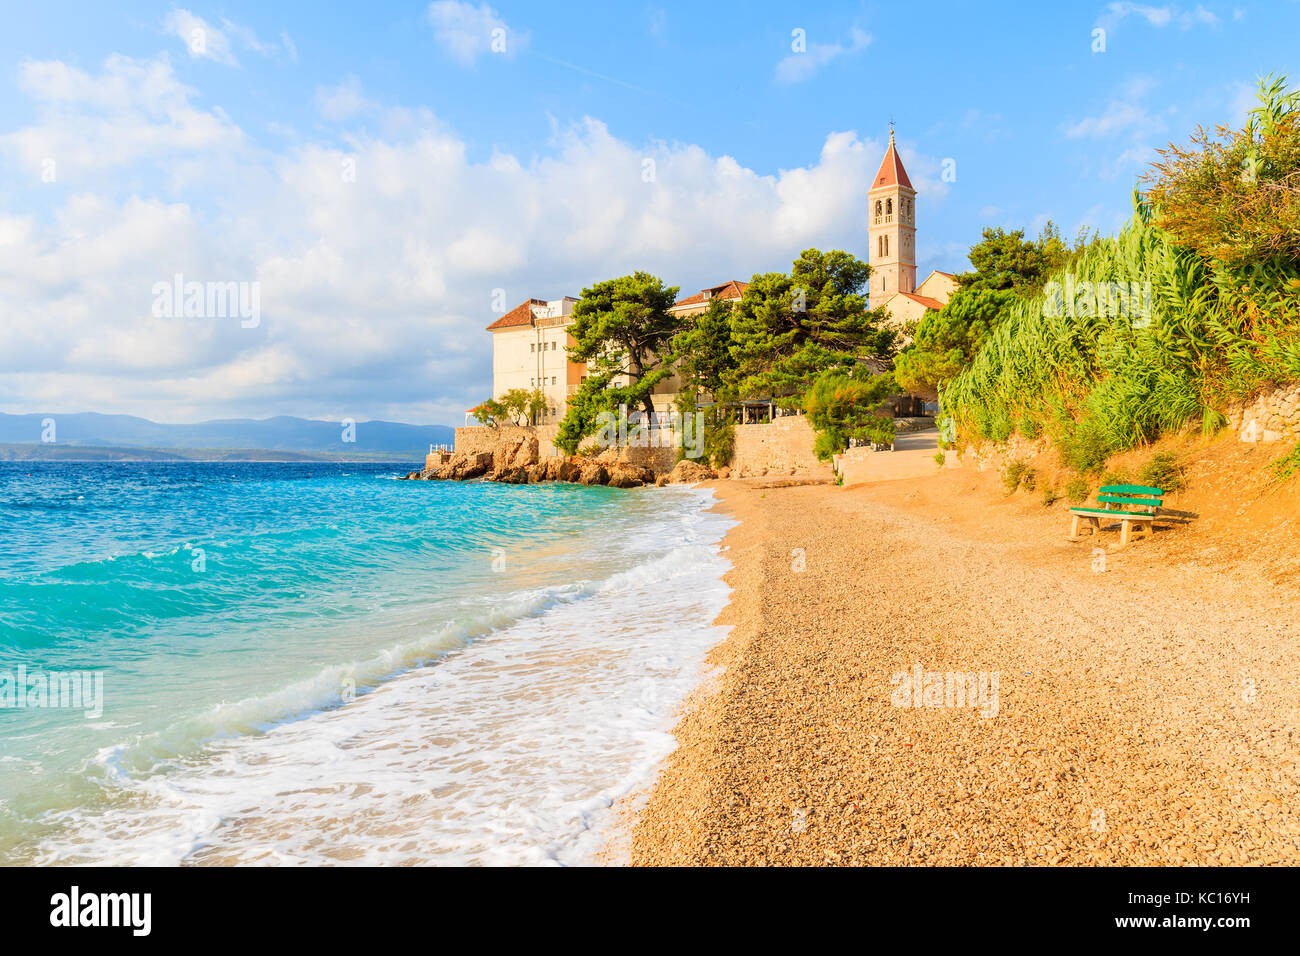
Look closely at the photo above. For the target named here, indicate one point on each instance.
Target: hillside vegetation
(1195, 304)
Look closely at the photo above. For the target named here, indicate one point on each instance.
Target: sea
(319, 664)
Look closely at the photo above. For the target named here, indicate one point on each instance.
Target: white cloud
(132, 110)
(1161, 16)
(204, 41)
(374, 292)
(466, 32)
(799, 66)
(201, 39)
(1124, 113)
(342, 102)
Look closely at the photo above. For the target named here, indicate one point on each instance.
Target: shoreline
(1114, 739)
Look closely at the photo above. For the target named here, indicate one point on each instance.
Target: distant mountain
(285, 434)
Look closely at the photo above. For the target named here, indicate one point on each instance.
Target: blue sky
(129, 153)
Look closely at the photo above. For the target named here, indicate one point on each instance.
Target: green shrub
(1115, 478)
(841, 408)
(999, 427)
(1287, 465)
(940, 458)
(1085, 446)
(1029, 479)
(1077, 490)
(1011, 476)
(1163, 472)
(1049, 495)
(1029, 427)
(1192, 306)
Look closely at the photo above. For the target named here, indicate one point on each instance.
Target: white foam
(510, 750)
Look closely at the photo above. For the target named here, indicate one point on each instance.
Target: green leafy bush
(1029, 479)
(1163, 472)
(1077, 490)
(1287, 465)
(1012, 474)
(1192, 306)
(841, 408)
(1049, 495)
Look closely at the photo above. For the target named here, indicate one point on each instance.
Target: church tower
(891, 228)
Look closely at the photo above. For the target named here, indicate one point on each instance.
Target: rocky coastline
(518, 461)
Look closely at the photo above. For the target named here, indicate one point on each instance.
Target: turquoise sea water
(317, 663)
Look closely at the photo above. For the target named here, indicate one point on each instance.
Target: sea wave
(503, 736)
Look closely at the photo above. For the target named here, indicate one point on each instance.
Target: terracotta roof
(891, 172)
(728, 290)
(936, 272)
(925, 300)
(519, 315)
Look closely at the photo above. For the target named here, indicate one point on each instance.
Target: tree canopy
(787, 329)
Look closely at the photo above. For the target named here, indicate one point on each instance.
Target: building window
(552, 346)
(532, 346)
(889, 207)
(880, 247)
(886, 238)
(552, 379)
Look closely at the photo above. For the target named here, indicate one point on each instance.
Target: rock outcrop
(687, 471)
(465, 467)
(593, 473)
(515, 459)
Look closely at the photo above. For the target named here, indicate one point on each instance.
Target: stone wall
(476, 439)
(1271, 417)
(780, 447)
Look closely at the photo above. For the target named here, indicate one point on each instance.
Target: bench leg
(1074, 527)
(1123, 534)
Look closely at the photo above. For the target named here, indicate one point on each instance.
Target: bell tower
(891, 228)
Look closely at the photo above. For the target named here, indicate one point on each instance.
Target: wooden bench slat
(1133, 490)
(1117, 515)
(1124, 500)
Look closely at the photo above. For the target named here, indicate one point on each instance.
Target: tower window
(886, 238)
(889, 207)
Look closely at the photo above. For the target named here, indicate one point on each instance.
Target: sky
(379, 180)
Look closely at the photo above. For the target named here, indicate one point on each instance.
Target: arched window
(889, 207)
(886, 238)
(880, 246)
(877, 207)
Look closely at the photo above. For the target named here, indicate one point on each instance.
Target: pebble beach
(1145, 714)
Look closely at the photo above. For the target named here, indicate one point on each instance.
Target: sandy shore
(1147, 713)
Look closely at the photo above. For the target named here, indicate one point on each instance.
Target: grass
(1029, 479)
(1163, 472)
(1115, 478)
(1286, 466)
(1077, 490)
(1049, 495)
(940, 458)
(1015, 470)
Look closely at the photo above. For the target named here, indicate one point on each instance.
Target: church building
(891, 246)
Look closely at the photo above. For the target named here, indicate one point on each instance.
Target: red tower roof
(891, 172)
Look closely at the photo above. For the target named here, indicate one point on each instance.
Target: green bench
(1133, 506)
